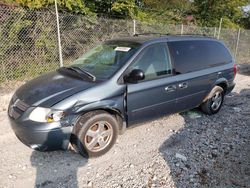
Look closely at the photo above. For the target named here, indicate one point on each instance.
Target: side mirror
(134, 76)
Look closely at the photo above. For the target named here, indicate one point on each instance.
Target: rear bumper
(42, 136)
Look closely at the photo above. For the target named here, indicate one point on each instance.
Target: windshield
(104, 60)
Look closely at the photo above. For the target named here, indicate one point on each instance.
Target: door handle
(170, 88)
(183, 85)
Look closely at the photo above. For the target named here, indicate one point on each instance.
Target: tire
(95, 133)
(214, 102)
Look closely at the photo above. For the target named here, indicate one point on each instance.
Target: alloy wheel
(98, 136)
(216, 101)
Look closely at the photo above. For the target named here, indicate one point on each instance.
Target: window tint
(195, 55)
(153, 61)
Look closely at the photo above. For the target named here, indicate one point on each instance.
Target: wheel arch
(222, 82)
(223, 85)
(116, 113)
(114, 108)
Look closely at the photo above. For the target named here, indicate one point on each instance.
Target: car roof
(146, 38)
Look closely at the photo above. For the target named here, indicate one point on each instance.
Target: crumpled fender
(115, 104)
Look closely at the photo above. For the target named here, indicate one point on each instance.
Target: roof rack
(194, 34)
(161, 34)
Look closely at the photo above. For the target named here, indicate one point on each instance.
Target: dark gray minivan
(118, 84)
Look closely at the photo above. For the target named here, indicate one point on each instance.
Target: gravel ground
(182, 150)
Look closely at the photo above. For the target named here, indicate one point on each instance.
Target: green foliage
(245, 20)
(206, 12)
(172, 12)
(209, 12)
(125, 8)
(28, 39)
(75, 6)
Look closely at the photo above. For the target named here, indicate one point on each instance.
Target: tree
(205, 12)
(245, 20)
(76, 6)
(171, 11)
(125, 8)
(209, 12)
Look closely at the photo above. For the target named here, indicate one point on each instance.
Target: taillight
(235, 69)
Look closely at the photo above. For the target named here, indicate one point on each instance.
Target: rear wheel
(214, 102)
(96, 133)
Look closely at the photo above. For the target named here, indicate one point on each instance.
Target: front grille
(13, 113)
(17, 107)
(21, 105)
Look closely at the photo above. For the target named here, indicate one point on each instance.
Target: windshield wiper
(81, 72)
(84, 71)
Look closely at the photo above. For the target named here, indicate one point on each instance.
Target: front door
(156, 94)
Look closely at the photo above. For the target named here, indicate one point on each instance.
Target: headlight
(40, 114)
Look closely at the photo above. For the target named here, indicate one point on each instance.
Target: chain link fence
(29, 43)
(79, 33)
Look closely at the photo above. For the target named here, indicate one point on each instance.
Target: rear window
(189, 56)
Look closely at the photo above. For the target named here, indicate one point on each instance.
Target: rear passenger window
(191, 56)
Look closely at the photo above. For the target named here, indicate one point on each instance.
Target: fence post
(237, 44)
(219, 29)
(215, 30)
(182, 27)
(58, 36)
(134, 25)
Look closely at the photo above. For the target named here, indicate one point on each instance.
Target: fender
(107, 104)
(221, 80)
(115, 105)
(217, 82)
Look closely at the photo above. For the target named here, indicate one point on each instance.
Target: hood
(51, 88)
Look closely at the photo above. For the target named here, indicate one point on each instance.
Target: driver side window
(153, 61)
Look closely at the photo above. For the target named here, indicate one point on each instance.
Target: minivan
(119, 84)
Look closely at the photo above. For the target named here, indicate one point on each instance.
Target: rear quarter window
(189, 56)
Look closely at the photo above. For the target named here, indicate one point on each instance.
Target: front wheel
(214, 102)
(96, 134)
